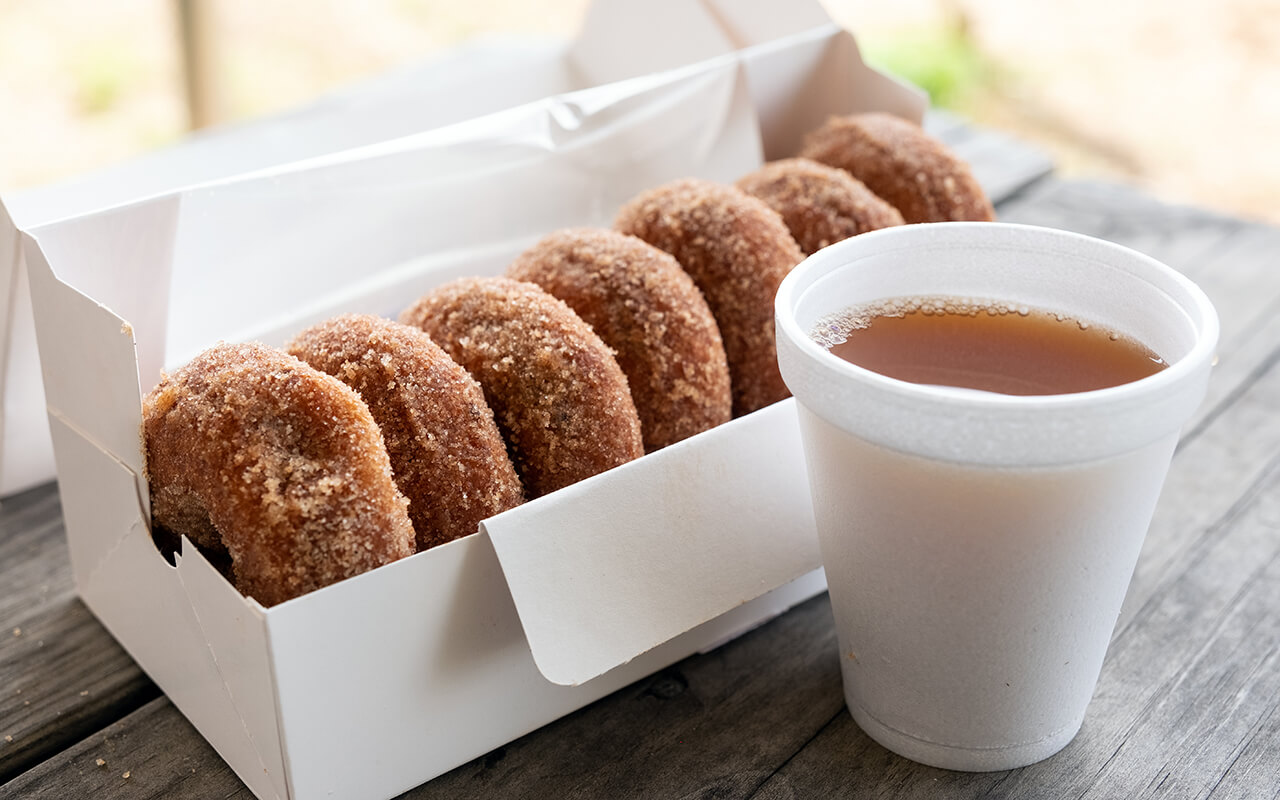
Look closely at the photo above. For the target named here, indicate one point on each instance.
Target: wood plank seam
(1192, 553)
(776, 770)
(1242, 745)
(1252, 377)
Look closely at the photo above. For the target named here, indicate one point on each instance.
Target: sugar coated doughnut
(737, 250)
(821, 205)
(908, 168)
(644, 306)
(446, 453)
(558, 395)
(277, 462)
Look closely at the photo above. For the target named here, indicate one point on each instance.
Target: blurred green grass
(101, 74)
(944, 61)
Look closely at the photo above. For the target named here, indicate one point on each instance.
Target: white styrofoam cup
(978, 546)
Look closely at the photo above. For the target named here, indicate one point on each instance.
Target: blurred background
(1180, 97)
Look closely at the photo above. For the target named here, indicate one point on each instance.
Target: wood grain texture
(153, 752)
(715, 725)
(62, 674)
(35, 571)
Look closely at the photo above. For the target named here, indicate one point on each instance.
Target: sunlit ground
(1181, 97)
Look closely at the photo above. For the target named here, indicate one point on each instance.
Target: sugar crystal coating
(556, 391)
(737, 250)
(821, 205)
(252, 450)
(647, 308)
(901, 163)
(446, 453)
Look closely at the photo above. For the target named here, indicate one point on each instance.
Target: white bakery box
(376, 684)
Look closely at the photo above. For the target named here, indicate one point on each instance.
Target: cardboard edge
(249, 687)
(587, 614)
(594, 56)
(884, 92)
(10, 265)
(747, 24)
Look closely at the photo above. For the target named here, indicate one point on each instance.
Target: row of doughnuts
(370, 439)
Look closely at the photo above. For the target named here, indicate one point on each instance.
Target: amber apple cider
(986, 345)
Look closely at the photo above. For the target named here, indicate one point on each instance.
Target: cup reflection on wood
(978, 545)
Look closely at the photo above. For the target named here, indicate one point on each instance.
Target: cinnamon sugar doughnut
(446, 453)
(737, 250)
(897, 160)
(558, 395)
(821, 205)
(644, 306)
(250, 449)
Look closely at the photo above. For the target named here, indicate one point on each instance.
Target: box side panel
(27, 452)
(392, 678)
(611, 567)
(235, 633)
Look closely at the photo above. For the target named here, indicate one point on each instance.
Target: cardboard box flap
(85, 343)
(798, 82)
(606, 569)
(235, 632)
(622, 38)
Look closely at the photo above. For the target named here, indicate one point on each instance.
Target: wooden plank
(744, 708)
(34, 568)
(63, 678)
(152, 752)
(1184, 237)
(62, 674)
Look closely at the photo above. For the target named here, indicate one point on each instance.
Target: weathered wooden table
(1186, 705)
